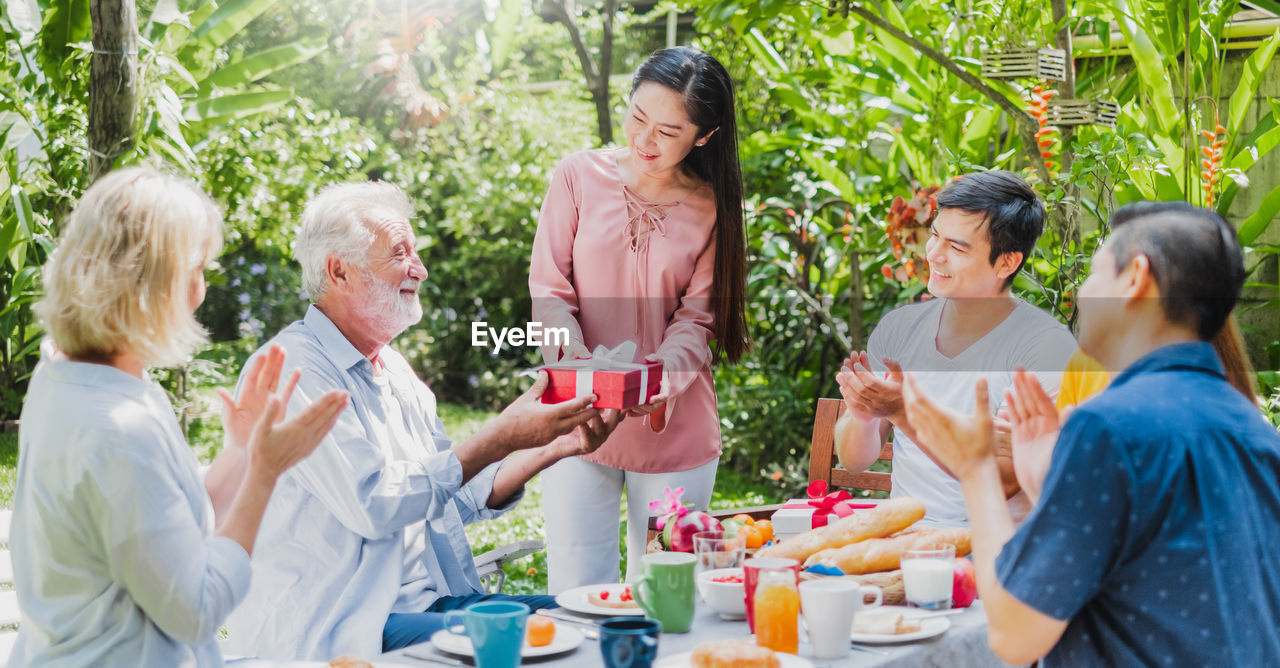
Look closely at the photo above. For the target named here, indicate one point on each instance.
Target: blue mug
(496, 630)
(629, 642)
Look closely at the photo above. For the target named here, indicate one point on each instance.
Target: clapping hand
(275, 446)
(867, 394)
(1036, 423)
(958, 442)
(241, 414)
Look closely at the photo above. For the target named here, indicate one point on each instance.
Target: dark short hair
(1194, 255)
(1014, 214)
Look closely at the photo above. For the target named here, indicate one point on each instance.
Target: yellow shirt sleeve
(1082, 379)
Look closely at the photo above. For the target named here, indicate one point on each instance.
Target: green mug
(665, 591)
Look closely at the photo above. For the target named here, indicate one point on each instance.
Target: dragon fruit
(678, 535)
(678, 523)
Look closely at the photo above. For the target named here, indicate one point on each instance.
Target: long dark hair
(708, 99)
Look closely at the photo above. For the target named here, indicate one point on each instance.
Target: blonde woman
(114, 551)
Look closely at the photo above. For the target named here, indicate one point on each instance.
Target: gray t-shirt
(1027, 338)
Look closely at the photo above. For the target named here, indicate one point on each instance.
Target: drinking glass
(927, 576)
(715, 550)
(777, 611)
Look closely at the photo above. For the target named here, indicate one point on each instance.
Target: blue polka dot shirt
(1157, 534)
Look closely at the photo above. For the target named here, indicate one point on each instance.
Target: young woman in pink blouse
(645, 243)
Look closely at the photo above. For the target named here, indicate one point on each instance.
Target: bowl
(728, 599)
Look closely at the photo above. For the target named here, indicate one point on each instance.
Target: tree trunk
(1067, 219)
(113, 78)
(596, 74)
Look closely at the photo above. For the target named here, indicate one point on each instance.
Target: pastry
(349, 661)
(884, 554)
(606, 599)
(888, 518)
(733, 654)
(883, 622)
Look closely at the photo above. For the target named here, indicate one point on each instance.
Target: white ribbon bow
(617, 358)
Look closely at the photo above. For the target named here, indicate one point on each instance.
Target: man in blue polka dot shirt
(1155, 537)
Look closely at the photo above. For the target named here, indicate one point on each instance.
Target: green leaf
(17, 245)
(229, 18)
(1253, 150)
(765, 51)
(238, 105)
(165, 13)
(828, 172)
(504, 29)
(264, 63)
(977, 134)
(24, 16)
(1250, 78)
(1150, 68)
(66, 23)
(1255, 225)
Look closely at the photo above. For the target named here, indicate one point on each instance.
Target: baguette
(885, 554)
(888, 518)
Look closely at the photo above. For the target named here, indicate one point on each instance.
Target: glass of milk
(926, 576)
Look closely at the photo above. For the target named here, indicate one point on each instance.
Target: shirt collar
(1195, 356)
(339, 349)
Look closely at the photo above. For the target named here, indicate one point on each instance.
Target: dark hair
(708, 99)
(1194, 255)
(1014, 213)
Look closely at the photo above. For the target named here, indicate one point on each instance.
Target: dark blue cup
(629, 642)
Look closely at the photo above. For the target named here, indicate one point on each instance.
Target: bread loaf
(885, 554)
(889, 517)
(732, 654)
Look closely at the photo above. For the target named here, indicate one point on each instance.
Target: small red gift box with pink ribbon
(609, 374)
(820, 509)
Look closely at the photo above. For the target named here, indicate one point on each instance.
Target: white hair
(336, 222)
(121, 276)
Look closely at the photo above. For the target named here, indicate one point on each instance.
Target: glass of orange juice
(777, 611)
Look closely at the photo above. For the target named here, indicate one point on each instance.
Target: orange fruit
(745, 519)
(765, 527)
(752, 535)
(540, 631)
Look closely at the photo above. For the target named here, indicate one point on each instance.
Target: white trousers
(582, 502)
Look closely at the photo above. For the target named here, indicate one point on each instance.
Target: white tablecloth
(964, 645)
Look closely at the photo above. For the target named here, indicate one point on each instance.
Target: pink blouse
(610, 267)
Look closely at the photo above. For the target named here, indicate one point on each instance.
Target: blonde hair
(120, 278)
(336, 221)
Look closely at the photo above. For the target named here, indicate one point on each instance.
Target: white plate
(567, 638)
(576, 600)
(934, 626)
(685, 661)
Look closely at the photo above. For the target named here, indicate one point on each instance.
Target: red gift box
(616, 388)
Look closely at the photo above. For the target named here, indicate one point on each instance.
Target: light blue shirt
(113, 556)
(370, 523)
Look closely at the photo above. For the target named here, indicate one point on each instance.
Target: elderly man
(362, 548)
(1153, 539)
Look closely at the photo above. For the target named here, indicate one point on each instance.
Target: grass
(526, 576)
(8, 468)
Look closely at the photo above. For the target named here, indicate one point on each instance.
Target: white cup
(927, 577)
(829, 605)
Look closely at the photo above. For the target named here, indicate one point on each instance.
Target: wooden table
(964, 645)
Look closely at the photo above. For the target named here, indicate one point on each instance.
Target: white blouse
(113, 554)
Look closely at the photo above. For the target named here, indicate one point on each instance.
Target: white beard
(385, 309)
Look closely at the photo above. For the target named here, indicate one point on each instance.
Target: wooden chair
(822, 457)
(822, 466)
